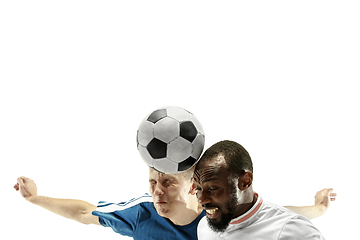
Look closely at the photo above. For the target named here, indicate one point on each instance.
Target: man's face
(169, 192)
(216, 192)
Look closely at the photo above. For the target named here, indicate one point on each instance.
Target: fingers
(328, 192)
(20, 183)
(333, 196)
(25, 179)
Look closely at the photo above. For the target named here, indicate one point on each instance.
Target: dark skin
(219, 194)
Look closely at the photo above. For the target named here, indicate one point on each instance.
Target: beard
(225, 219)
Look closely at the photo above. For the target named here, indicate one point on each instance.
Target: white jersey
(264, 221)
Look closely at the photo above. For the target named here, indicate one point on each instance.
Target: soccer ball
(170, 140)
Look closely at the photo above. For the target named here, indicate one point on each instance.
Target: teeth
(211, 211)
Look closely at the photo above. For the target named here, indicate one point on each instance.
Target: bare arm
(77, 210)
(322, 204)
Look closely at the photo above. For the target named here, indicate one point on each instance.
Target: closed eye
(213, 188)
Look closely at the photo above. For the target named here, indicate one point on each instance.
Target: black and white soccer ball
(170, 140)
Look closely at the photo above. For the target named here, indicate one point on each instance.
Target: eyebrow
(209, 179)
(170, 179)
(204, 180)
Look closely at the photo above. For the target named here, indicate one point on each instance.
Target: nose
(158, 190)
(203, 198)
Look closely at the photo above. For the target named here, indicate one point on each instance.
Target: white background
(78, 77)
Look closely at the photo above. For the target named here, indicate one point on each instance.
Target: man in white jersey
(223, 179)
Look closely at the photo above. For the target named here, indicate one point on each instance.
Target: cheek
(151, 189)
(177, 194)
(219, 197)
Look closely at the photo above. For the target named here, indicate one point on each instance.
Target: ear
(193, 187)
(245, 180)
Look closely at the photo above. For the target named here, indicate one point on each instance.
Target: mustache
(207, 205)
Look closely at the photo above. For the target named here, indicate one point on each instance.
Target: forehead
(211, 169)
(155, 175)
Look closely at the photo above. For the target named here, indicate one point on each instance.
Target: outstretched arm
(322, 204)
(77, 210)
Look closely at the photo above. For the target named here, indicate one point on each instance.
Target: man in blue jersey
(171, 212)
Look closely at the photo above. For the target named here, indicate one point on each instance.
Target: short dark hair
(235, 155)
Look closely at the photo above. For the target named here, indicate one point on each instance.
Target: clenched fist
(27, 187)
(324, 197)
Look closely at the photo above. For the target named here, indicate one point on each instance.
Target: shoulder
(291, 225)
(301, 228)
(131, 211)
(271, 210)
(124, 217)
(107, 207)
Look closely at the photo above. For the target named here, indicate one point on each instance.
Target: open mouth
(212, 213)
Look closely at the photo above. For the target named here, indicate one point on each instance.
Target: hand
(324, 197)
(27, 187)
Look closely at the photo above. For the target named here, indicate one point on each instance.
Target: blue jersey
(138, 219)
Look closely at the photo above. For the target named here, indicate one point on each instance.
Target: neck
(247, 200)
(189, 214)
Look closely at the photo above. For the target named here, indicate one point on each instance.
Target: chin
(162, 212)
(220, 224)
(217, 226)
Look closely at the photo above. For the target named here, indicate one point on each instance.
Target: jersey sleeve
(122, 217)
(300, 228)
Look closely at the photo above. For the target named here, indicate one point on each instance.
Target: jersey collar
(249, 213)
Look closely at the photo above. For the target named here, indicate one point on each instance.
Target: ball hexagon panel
(165, 165)
(145, 133)
(166, 129)
(144, 153)
(179, 114)
(179, 150)
(198, 146)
